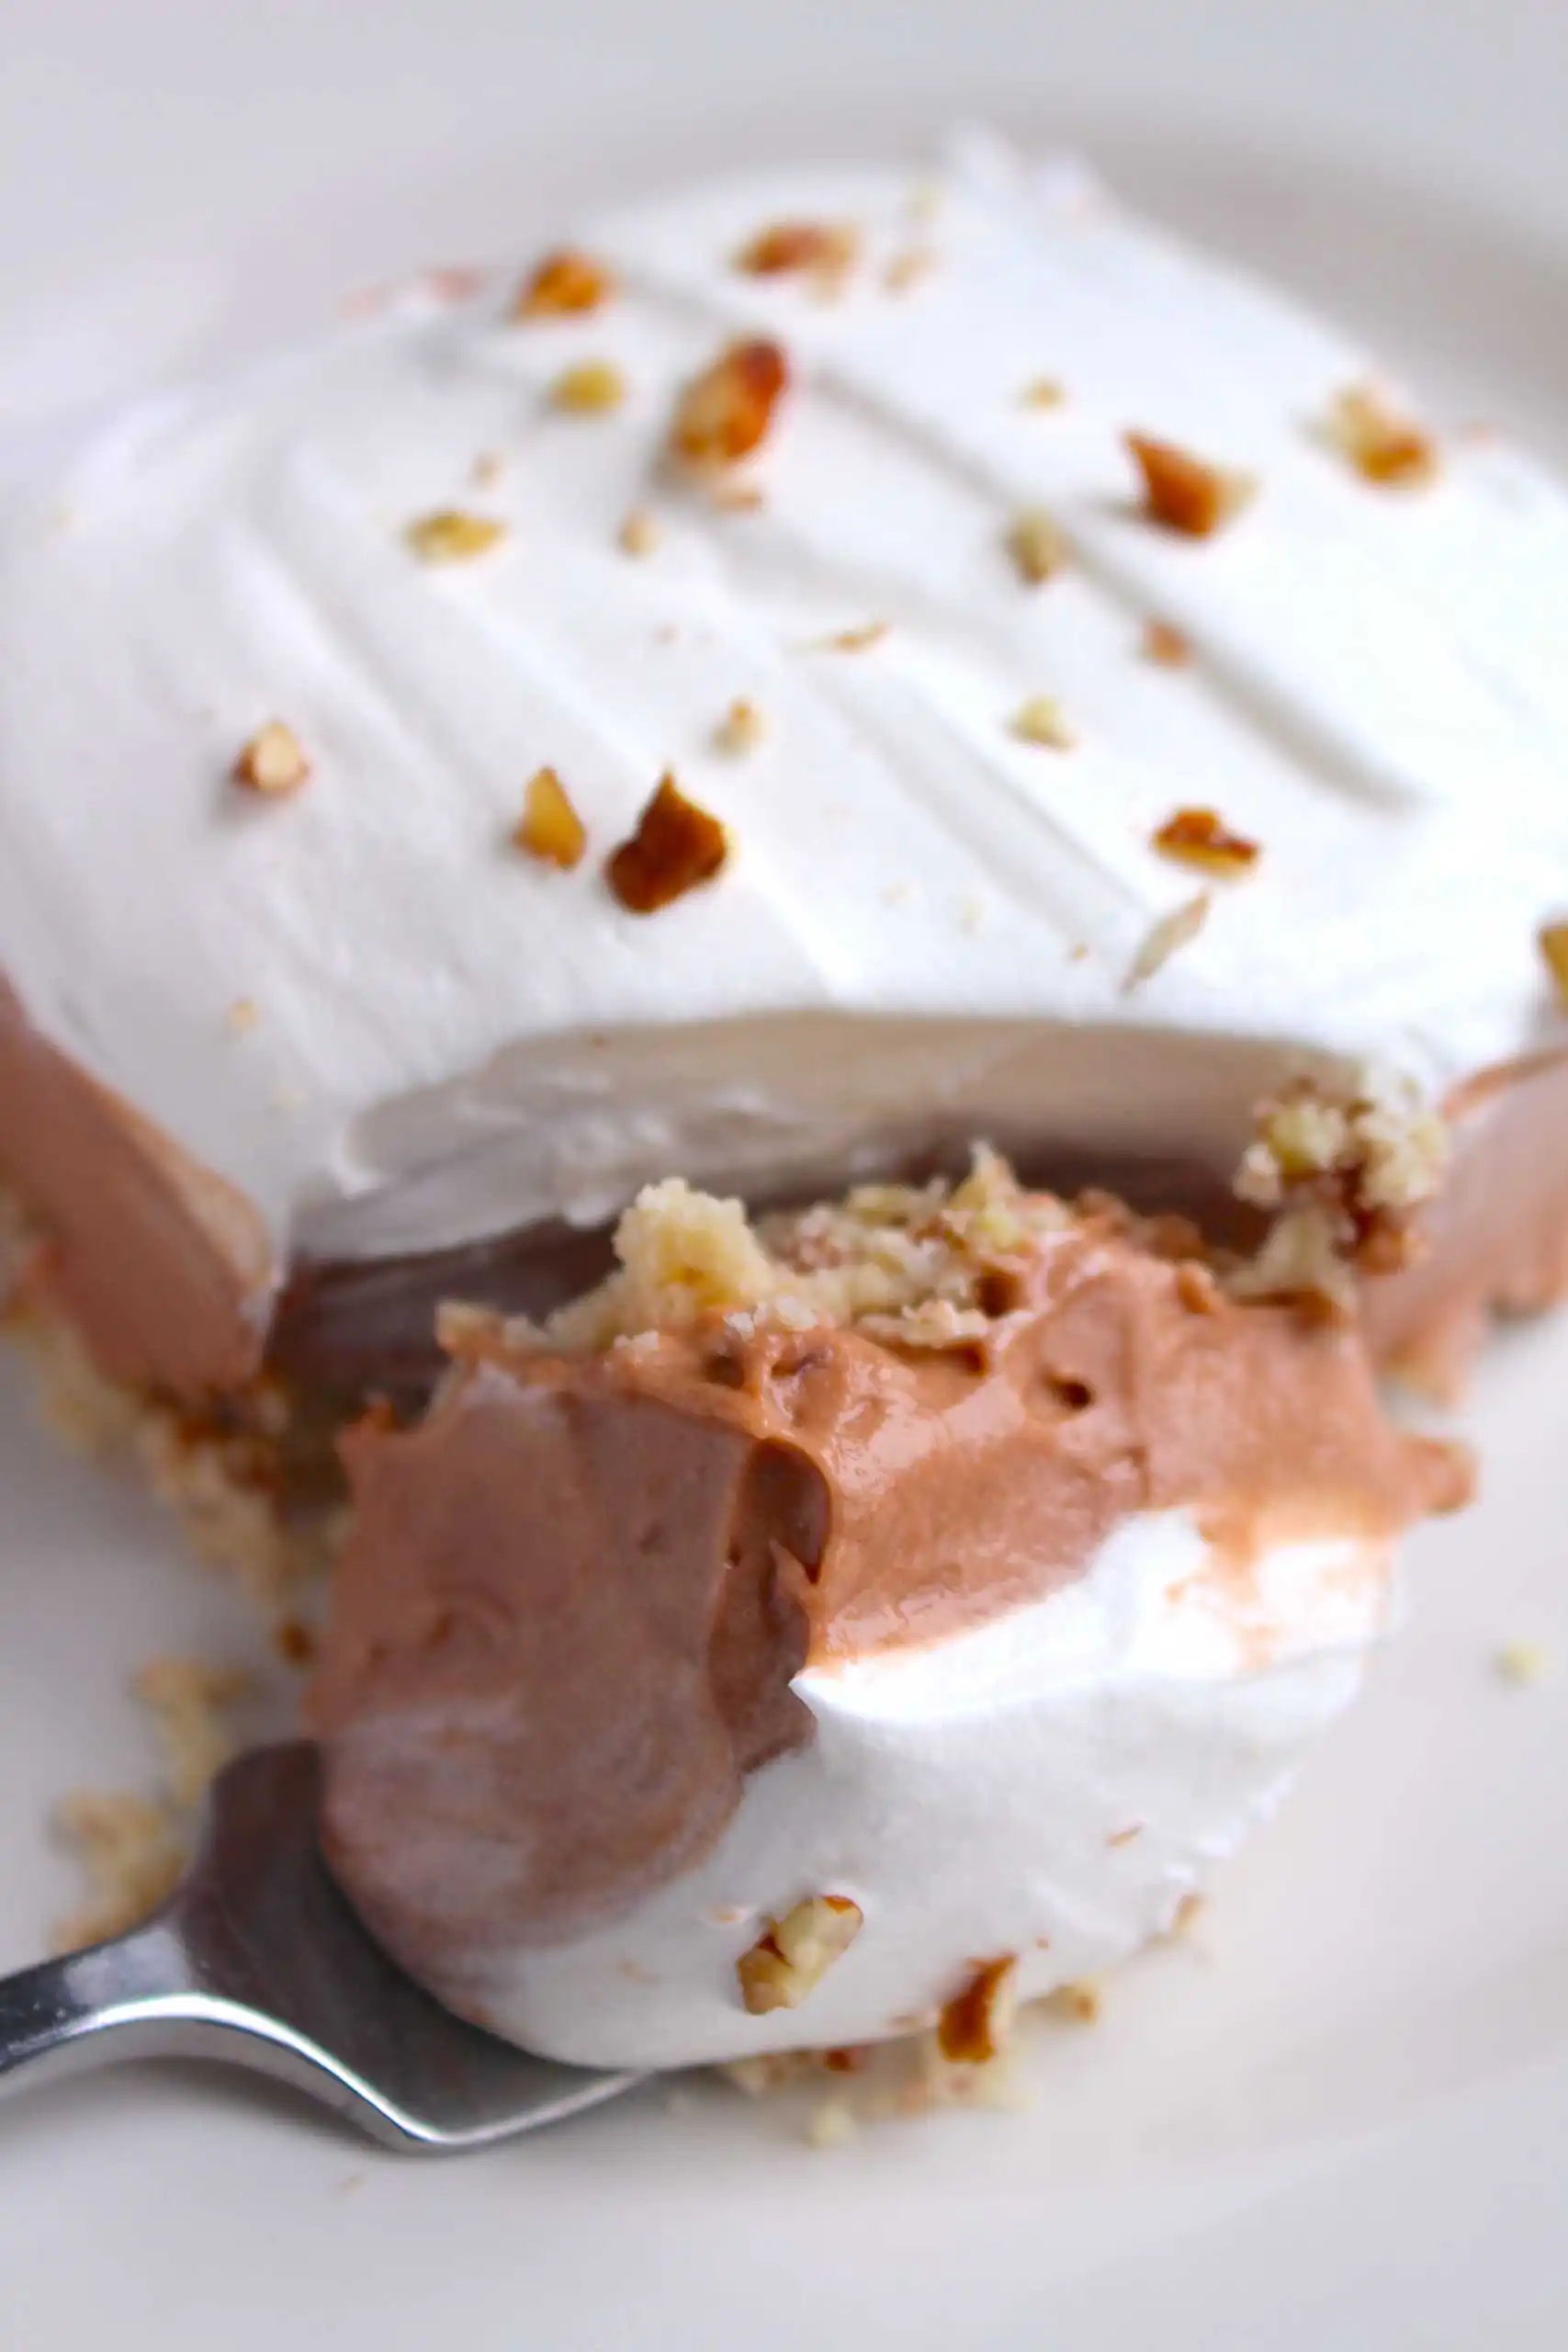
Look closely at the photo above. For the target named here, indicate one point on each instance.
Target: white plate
(1343, 2117)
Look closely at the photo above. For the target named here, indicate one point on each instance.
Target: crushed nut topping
(564, 285)
(792, 1958)
(1186, 494)
(488, 468)
(1045, 392)
(1522, 1662)
(1166, 938)
(550, 826)
(1082, 2001)
(589, 388)
(1553, 942)
(727, 412)
(1201, 837)
(676, 846)
(825, 248)
(1383, 444)
(273, 762)
(1036, 546)
(907, 269)
(452, 536)
(1346, 1167)
(1164, 643)
(851, 641)
(974, 2026)
(1042, 720)
(242, 1014)
(639, 534)
(741, 729)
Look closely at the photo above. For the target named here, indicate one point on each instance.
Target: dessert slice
(846, 1625)
(538, 738)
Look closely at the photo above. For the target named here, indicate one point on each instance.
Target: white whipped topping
(923, 914)
(1047, 1788)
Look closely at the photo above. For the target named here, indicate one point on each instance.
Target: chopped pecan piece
(1172, 932)
(676, 846)
(1553, 938)
(273, 762)
(451, 535)
(1044, 391)
(589, 388)
(974, 2026)
(742, 728)
(550, 826)
(831, 246)
(564, 285)
(786, 1962)
(638, 534)
(1036, 546)
(1186, 494)
(1382, 444)
(908, 268)
(1201, 837)
(725, 412)
(1042, 720)
(1165, 643)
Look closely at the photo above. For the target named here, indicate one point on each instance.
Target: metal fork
(258, 1959)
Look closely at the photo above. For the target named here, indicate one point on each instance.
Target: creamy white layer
(926, 920)
(1048, 1787)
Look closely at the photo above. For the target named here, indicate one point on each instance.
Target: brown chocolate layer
(567, 1621)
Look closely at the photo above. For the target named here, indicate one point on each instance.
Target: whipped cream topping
(925, 917)
(1046, 1787)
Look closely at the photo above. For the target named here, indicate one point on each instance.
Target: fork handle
(131, 1998)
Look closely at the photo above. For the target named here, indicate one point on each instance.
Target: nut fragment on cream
(452, 535)
(1166, 938)
(676, 846)
(795, 1953)
(1379, 440)
(1553, 941)
(550, 826)
(1042, 720)
(1036, 546)
(785, 246)
(1201, 837)
(726, 411)
(742, 728)
(589, 388)
(272, 762)
(976, 2024)
(1186, 494)
(564, 285)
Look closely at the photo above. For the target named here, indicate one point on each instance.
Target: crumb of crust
(451, 535)
(907, 269)
(1042, 720)
(1043, 392)
(549, 828)
(133, 1855)
(488, 468)
(639, 532)
(1522, 1662)
(1383, 444)
(677, 846)
(564, 285)
(816, 248)
(1036, 546)
(1347, 1165)
(1165, 645)
(1166, 938)
(1201, 838)
(1082, 2002)
(793, 1955)
(1186, 494)
(921, 1266)
(242, 1015)
(188, 1698)
(273, 762)
(832, 2125)
(1552, 940)
(727, 411)
(589, 388)
(975, 2025)
(741, 729)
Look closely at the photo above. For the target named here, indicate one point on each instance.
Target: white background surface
(1347, 2125)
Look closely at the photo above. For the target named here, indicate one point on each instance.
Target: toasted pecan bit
(795, 1952)
(742, 728)
(975, 2024)
(855, 640)
(564, 285)
(724, 413)
(1522, 1662)
(1042, 720)
(1172, 932)
(589, 388)
(1201, 837)
(1186, 494)
(243, 1015)
(1347, 1165)
(488, 468)
(1197, 1288)
(639, 532)
(550, 826)
(293, 1641)
(907, 269)
(1384, 446)
(737, 497)
(676, 846)
(1036, 546)
(1553, 941)
(823, 247)
(1082, 2002)
(1164, 643)
(451, 535)
(1043, 392)
(273, 762)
